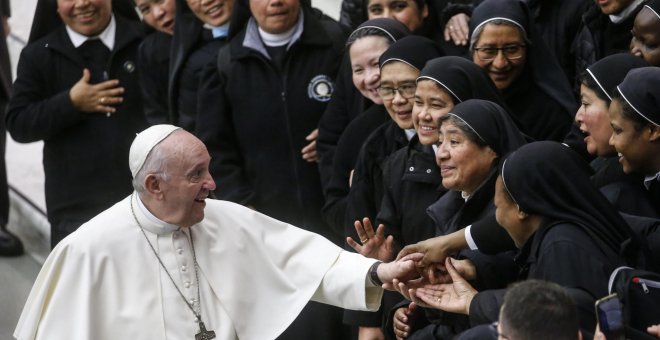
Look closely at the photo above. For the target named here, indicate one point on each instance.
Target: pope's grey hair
(155, 163)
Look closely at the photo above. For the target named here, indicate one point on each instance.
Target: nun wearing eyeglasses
(411, 176)
(505, 42)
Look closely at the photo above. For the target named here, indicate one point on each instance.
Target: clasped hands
(440, 282)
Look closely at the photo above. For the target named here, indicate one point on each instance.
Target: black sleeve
(334, 120)
(217, 133)
(485, 306)
(490, 237)
(33, 112)
(153, 84)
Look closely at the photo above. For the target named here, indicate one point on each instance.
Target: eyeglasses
(510, 52)
(406, 91)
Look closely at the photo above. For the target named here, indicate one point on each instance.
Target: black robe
(153, 65)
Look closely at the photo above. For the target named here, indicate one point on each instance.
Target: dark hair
(420, 6)
(367, 32)
(539, 310)
(629, 113)
(462, 125)
(587, 80)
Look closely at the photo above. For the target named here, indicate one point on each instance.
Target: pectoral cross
(203, 333)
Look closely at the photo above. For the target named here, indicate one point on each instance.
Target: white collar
(410, 133)
(648, 180)
(154, 224)
(626, 12)
(107, 36)
(284, 38)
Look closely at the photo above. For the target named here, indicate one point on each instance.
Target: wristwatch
(373, 274)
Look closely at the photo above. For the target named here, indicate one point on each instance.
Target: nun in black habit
(625, 191)
(635, 118)
(476, 136)
(195, 44)
(527, 73)
(566, 230)
(86, 145)
(347, 102)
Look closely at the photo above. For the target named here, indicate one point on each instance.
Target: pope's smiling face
(87, 17)
(187, 182)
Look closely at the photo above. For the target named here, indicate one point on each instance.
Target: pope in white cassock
(166, 263)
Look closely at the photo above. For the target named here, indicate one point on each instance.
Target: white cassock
(256, 274)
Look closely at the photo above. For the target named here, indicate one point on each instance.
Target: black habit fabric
(193, 48)
(540, 98)
(347, 102)
(153, 65)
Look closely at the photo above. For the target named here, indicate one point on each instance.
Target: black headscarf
(541, 62)
(492, 124)
(654, 5)
(394, 29)
(462, 78)
(46, 19)
(640, 90)
(550, 180)
(608, 72)
(413, 50)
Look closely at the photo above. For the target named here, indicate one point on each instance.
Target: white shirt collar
(107, 36)
(410, 133)
(626, 12)
(648, 180)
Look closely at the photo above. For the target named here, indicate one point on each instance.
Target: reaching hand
(654, 330)
(309, 151)
(454, 297)
(438, 273)
(403, 322)
(436, 249)
(99, 97)
(374, 245)
(402, 270)
(457, 29)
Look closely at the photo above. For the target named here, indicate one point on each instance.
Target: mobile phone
(610, 317)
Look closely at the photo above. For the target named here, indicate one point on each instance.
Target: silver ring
(365, 240)
(102, 100)
(451, 28)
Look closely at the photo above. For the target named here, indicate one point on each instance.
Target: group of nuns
(491, 161)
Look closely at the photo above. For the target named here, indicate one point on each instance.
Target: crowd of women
(501, 138)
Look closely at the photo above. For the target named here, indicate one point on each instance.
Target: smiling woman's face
(400, 76)
(364, 54)
(464, 164)
(431, 103)
(501, 69)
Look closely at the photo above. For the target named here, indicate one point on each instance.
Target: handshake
(423, 273)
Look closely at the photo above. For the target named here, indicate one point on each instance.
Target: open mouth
(85, 16)
(216, 9)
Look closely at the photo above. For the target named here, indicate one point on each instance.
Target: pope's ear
(152, 184)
